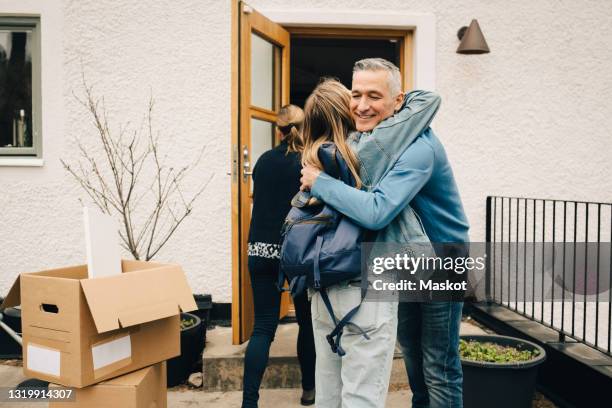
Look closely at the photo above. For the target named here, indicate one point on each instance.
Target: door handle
(246, 165)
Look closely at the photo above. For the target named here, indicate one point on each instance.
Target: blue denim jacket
(378, 151)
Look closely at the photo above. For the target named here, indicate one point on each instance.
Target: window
(20, 87)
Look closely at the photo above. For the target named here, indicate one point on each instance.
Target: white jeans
(360, 379)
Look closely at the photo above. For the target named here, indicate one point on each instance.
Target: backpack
(321, 247)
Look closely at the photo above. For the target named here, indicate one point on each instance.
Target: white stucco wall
(180, 53)
(532, 118)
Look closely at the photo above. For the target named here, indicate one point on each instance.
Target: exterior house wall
(532, 118)
(181, 55)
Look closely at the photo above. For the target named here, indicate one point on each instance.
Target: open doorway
(315, 58)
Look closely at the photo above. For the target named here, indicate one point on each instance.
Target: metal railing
(550, 261)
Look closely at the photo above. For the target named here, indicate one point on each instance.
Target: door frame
(423, 25)
(235, 164)
(418, 32)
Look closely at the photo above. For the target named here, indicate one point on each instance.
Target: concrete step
(223, 362)
(225, 374)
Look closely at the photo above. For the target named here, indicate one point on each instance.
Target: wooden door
(263, 89)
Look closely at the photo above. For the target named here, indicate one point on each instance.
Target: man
(428, 332)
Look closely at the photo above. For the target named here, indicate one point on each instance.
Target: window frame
(30, 24)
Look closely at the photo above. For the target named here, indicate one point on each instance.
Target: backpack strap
(343, 169)
(335, 345)
(334, 338)
(345, 321)
(316, 269)
(334, 164)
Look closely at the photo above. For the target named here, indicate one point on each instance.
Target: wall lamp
(472, 40)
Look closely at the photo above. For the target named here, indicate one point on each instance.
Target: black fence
(550, 261)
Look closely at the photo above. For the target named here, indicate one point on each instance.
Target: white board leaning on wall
(101, 238)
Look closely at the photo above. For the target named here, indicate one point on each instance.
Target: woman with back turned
(276, 179)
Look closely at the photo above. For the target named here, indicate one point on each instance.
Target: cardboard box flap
(130, 265)
(13, 298)
(137, 297)
(71, 272)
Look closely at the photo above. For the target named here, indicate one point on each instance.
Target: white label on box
(111, 352)
(43, 360)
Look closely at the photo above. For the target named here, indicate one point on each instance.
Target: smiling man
(372, 99)
(422, 180)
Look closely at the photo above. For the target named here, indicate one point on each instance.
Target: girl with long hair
(360, 376)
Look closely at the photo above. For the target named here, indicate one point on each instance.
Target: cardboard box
(145, 388)
(78, 331)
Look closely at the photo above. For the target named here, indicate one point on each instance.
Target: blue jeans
(428, 334)
(266, 300)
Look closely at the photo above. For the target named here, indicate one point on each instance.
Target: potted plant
(125, 174)
(499, 371)
(192, 344)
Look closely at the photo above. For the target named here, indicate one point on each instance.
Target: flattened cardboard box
(145, 388)
(78, 331)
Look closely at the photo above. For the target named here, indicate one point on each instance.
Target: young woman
(358, 378)
(276, 179)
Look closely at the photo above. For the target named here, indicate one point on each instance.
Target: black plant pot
(9, 348)
(501, 385)
(192, 344)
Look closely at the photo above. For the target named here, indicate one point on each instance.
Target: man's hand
(309, 175)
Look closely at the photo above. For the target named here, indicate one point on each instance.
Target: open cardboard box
(145, 388)
(78, 331)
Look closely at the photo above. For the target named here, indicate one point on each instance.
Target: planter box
(79, 331)
(192, 344)
(500, 385)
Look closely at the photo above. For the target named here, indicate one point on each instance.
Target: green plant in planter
(493, 353)
(187, 322)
